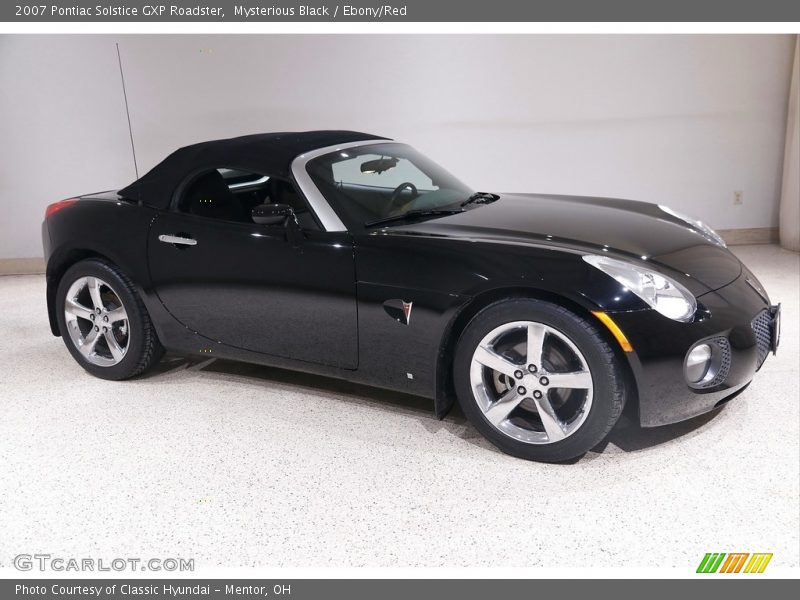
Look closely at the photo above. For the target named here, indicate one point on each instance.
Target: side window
(231, 194)
(373, 170)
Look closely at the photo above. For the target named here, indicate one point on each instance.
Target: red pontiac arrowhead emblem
(399, 310)
(407, 311)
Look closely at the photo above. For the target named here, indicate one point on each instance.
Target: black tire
(607, 378)
(144, 349)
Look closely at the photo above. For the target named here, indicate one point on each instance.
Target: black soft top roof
(266, 153)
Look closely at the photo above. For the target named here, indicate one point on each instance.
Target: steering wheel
(394, 201)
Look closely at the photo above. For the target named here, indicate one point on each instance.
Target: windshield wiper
(415, 214)
(480, 198)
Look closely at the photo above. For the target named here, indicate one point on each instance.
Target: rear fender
(112, 230)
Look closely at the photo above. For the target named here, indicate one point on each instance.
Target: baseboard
(21, 266)
(743, 237)
(734, 237)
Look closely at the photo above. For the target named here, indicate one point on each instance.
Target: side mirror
(271, 214)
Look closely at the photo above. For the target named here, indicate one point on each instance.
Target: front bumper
(736, 318)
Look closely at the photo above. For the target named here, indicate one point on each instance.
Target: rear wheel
(537, 380)
(104, 323)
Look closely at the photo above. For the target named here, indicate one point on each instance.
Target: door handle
(177, 239)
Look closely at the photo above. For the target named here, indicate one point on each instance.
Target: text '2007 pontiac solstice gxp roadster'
(354, 256)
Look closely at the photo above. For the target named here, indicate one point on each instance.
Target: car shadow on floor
(343, 389)
(627, 435)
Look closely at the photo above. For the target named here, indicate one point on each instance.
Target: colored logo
(734, 562)
(399, 310)
(407, 311)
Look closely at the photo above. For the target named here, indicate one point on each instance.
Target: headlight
(706, 231)
(665, 295)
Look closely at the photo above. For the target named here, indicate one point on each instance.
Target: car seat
(209, 196)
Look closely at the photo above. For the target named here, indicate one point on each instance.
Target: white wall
(682, 120)
(62, 130)
(790, 190)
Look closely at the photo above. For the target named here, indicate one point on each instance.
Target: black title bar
(385, 589)
(401, 11)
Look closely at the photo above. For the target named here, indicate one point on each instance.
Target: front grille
(762, 326)
(723, 348)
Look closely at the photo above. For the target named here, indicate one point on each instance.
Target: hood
(625, 228)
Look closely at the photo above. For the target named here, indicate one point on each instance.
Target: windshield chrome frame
(327, 217)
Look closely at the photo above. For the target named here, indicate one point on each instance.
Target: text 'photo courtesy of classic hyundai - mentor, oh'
(354, 256)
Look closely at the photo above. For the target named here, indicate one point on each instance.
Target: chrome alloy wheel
(531, 382)
(97, 321)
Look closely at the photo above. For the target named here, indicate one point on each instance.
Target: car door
(256, 287)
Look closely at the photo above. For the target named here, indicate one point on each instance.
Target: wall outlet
(738, 197)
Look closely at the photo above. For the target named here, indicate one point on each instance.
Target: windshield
(369, 184)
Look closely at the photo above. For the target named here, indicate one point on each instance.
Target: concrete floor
(235, 465)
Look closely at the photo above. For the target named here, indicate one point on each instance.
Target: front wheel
(104, 323)
(537, 380)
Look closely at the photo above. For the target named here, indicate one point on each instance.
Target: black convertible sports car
(354, 256)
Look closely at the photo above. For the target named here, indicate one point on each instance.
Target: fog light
(697, 362)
